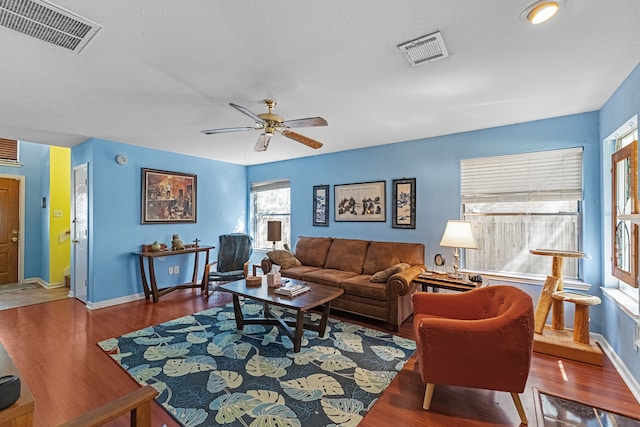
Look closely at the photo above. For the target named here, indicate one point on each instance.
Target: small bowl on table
(253, 281)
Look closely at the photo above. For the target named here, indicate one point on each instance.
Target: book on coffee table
(292, 290)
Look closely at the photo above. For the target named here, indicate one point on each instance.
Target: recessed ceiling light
(541, 11)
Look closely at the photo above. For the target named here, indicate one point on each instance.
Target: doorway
(80, 221)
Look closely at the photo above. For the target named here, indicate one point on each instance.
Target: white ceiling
(160, 71)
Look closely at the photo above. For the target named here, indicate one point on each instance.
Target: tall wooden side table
(150, 287)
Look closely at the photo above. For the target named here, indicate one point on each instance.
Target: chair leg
(428, 394)
(518, 402)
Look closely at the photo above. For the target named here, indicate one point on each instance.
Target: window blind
(9, 149)
(540, 176)
(257, 187)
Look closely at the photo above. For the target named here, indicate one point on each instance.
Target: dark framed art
(404, 203)
(321, 205)
(168, 197)
(360, 202)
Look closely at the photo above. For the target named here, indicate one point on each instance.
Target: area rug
(555, 411)
(209, 373)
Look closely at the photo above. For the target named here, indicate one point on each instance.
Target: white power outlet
(171, 270)
(176, 269)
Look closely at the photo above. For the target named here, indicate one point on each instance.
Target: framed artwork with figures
(360, 202)
(321, 205)
(168, 197)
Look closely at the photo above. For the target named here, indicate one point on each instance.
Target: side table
(438, 281)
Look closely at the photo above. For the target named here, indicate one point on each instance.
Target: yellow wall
(59, 213)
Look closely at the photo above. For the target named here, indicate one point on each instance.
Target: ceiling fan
(271, 123)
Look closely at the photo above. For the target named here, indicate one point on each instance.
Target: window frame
(284, 217)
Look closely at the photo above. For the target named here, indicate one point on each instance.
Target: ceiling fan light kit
(272, 123)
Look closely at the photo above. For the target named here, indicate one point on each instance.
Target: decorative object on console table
(168, 197)
(321, 205)
(404, 203)
(458, 234)
(274, 232)
(360, 202)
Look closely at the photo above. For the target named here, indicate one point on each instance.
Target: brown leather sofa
(350, 265)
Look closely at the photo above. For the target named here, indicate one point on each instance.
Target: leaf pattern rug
(208, 373)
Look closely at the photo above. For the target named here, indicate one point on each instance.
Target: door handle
(75, 240)
(14, 239)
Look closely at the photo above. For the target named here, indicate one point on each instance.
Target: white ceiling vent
(47, 22)
(425, 49)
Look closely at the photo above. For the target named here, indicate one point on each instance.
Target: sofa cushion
(382, 255)
(327, 276)
(347, 255)
(298, 272)
(312, 250)
(383, 276)
(284, 259)
(362, 286)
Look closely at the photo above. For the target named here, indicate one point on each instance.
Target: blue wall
(618, 327)
(34, 159)
(435, 163)
(114, 211)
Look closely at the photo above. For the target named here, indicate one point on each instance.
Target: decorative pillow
(284, 259)
(383, 276)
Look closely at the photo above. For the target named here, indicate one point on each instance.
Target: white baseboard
(43, 283)
(116, 301)
(620, 366)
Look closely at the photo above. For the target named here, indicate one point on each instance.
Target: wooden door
(9, 229)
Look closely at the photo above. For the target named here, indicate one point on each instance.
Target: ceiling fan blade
(302, 139)
(263, 142)
(309, 121)
(247, 112)
(212, 131)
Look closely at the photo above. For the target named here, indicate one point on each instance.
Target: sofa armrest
(266, 264)
(400, 283)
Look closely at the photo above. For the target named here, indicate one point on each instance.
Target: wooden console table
(20, 414)
(150, 287)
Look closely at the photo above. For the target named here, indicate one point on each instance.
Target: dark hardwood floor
(54, 346)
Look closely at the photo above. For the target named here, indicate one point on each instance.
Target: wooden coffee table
(318, 295)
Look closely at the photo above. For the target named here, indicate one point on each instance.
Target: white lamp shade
(458, 234)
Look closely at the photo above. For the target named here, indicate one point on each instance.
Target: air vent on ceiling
(47, 22)
(425, 49)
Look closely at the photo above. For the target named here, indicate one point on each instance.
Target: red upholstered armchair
(482, 339)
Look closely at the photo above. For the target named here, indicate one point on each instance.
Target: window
(270, 201)
(521, 202)
(624, 183)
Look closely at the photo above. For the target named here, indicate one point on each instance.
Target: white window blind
(258, 187)
(541, 176)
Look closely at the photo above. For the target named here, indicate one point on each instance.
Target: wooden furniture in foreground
(150, 287)
(138, 403)
(554, 339)
(437, 281)
(316, 296)
(480, 339)
(20, 414)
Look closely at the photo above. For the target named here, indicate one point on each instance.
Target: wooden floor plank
(54, 347)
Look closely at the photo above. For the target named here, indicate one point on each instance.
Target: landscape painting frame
(404, 203)
(168, 197)
(362, 202)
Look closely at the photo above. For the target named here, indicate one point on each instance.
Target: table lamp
(274, 232)
(458, 234)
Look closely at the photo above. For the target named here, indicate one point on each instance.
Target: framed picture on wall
(360, 202)
(321, 205)
(168, 197)
(404, 203)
